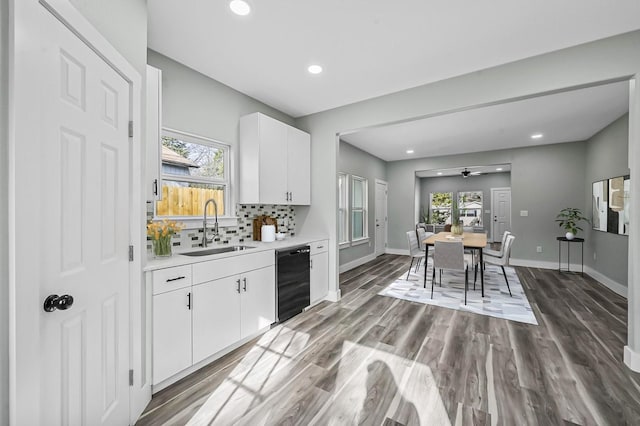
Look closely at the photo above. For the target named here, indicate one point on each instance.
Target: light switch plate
(524, 212)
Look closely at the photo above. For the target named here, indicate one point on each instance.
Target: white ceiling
(564, 117)
(368, 48)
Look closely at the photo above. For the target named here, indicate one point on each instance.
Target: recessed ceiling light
(240, 7)
(409, 151)
(315, 69)
(536, 135)
(439, 173)
(499, 169)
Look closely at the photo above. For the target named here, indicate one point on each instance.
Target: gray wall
(607, 156)
(123, 23)
(4, 231)
(544, 179)
(354, 161)
(601, 60)
(195, 103)
(455, 184)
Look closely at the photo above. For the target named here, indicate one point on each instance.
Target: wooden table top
(469, 239)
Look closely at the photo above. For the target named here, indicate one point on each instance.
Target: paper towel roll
(268, 233)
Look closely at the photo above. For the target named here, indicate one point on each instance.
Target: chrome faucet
(206, 240)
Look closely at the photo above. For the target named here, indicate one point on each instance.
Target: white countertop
(178, 260)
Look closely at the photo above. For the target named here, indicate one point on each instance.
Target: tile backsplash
(232, 235)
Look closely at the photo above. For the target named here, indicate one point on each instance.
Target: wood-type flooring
(377, 360)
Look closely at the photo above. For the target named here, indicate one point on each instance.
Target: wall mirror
(610, 205)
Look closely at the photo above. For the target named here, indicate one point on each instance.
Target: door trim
(386, 228)
(23, 284)
(492, 215)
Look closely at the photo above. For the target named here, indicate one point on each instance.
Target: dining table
(470, 240)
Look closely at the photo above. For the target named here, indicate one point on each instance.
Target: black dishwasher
(292, 274)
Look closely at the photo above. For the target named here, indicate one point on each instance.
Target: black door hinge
(130, 377)
(131, 129)
(130, 253)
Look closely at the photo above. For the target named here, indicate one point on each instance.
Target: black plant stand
(575, 240)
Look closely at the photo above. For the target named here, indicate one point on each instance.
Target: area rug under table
(495, 303)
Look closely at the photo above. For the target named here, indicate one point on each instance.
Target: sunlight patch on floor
(261, 371)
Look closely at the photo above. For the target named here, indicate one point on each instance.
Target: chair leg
(440, 277)
(466, 283)
(505, 278)
(418, 265)
(475, 276)
(410, 266)
(432, 280)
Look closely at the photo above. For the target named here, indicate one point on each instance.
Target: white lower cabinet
(216, 316)
(229, 309)
(171, 333)
(319, 273)
(201, 309)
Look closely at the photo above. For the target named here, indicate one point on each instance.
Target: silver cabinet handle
(244, 281)
(238, 282)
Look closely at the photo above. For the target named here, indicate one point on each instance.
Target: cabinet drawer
(215, 269)
(171, 279)
(319, 246)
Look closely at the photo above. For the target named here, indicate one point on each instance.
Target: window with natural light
(359, 203)
(343, 206)
(194, 169)
(440, 207)
(470, 207)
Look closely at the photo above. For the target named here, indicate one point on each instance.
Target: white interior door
(501, 212)
(74, 369)
(381, 217)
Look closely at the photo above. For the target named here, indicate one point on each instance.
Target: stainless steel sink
(216, 250)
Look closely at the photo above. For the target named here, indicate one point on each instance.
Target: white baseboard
(402, 252)
(355, 263)
(333, 296)
(612, 285)
(632, 359)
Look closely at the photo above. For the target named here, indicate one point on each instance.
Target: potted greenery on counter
(568, 219)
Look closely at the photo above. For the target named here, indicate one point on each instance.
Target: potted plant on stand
(568, 219)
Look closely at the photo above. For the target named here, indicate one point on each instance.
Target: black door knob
(53, 302)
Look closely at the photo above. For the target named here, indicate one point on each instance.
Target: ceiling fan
(466, 173)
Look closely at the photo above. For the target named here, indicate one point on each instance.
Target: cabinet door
(216, 316)
(319, 276)
(153, 179)
(171, 333)
(258, 308)
(299, 166)
(273, 160)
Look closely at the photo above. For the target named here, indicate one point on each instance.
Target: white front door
(501, 212)
(381, 217)
(74, 360)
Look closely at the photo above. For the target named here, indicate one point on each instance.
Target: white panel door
(81, 163)
(319, 276)
(298, 166)
(381, 217)
(216, 316)
(501, 212)
(273, 161)
(258, 301)
(171, 333)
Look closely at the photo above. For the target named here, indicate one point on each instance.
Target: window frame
(191, 222)
(364, 209)
(343, 199)
(431, 208)
(480, 209)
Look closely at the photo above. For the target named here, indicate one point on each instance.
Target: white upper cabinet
(153, 169)
(274, 162)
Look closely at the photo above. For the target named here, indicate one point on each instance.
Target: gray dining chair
(450, 256)
(414, 250)
(423, 235)
(502, 260)
(497, 253)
